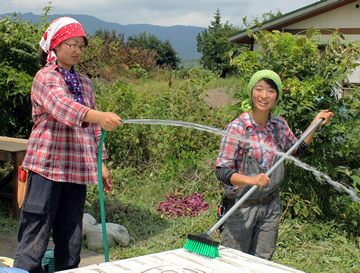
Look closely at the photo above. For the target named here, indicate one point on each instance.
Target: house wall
(346, 18)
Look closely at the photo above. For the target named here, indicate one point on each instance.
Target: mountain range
(182, 38)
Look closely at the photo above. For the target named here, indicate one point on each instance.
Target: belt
(255, 202)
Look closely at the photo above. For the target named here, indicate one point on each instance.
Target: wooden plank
(6, 156)
(10, 144)
(181, 260)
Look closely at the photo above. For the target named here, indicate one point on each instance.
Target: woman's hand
(326, 115)
(261, 180)
(107, 120)
(107, 180)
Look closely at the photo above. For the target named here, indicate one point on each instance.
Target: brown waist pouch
(22, 185)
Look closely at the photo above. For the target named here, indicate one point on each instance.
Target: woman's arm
(326, 115)
(107, 120)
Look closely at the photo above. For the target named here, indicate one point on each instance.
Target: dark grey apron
(252, 169)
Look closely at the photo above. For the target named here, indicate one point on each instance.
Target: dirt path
(217, 97)
(8, 240)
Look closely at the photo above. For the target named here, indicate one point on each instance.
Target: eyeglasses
(75, 47)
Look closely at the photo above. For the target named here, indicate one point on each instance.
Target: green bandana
(246, 105)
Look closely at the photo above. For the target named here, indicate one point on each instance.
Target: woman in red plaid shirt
(61, 154)
(253, 227)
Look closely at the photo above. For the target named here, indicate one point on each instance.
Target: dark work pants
(56, 206)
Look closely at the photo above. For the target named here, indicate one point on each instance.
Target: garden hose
(101, 196)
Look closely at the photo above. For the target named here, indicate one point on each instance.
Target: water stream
(339, 186)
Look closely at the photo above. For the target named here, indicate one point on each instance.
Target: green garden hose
(101, 195)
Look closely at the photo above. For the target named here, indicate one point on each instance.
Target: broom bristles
(203, 245)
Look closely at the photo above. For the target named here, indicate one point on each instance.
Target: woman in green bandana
(253, 227)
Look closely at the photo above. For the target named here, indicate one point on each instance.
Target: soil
(8, 239)
(217, 97)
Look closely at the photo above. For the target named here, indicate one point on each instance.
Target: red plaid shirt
(61, 146)
(232, 150)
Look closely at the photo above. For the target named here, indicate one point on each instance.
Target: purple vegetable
(191, 205)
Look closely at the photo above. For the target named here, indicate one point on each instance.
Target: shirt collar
(249, 122)
(56, 67)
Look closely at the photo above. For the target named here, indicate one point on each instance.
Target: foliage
(190, 62)
(311, 81)
(147, 162)
(265, 18)
(312, 246)
(317, 246)
(143, 143)
(166, 55)
(19, 62)
(214, 45)
(190, 205)
(109, 57)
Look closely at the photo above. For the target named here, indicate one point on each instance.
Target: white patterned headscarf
(58, 31)
(247, 104)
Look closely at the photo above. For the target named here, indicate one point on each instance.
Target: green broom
(202, 243)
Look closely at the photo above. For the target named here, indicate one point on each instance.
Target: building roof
(293, 17)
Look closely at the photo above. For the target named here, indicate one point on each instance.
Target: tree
(166, 55)
(215, 46)
(109, 36)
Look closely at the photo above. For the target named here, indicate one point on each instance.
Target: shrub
(311, 80)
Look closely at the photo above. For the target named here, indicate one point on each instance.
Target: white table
(181, 260)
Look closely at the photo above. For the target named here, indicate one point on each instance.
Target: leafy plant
(190, 205)
(311, 81)
(19, 63)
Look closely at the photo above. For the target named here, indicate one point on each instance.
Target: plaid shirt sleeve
(51, 95)
(97, 128)
(287, 137)
(61, 146)
(231, 149)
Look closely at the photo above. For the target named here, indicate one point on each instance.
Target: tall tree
(166, 55)
(214, 45)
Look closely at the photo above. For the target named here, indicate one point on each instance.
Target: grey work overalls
(254, 229)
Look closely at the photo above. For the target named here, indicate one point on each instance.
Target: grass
(308, 245)
(7, 222)
(311, 246)
(317, 247)
(158, 83)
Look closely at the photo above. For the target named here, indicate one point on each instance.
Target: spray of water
(318, 174)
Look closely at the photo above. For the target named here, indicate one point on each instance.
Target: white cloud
(157, 12)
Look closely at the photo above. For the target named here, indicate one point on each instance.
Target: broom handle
(253, 188)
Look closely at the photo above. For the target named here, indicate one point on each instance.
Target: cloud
(157, 12)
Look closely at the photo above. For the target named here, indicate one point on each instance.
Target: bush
(19, 62)
(144, 144)
(311, 79)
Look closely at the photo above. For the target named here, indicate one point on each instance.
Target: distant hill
(182, 38)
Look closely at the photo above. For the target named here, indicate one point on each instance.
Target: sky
(158, 12)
